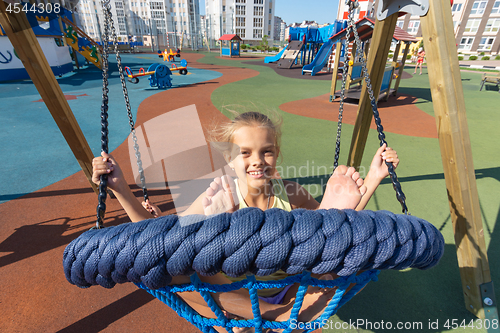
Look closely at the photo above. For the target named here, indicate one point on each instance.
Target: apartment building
(157, 22)
(477, 26)
(476, 23)
(279, 29)
(249, 19)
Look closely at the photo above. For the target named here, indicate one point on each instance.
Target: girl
(254, 149)
(420, 60)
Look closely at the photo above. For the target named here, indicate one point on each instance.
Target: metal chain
(103, 185)
(341, 103)
(381, 136)
(108, 15)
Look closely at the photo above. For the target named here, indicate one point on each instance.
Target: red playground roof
(230, 37)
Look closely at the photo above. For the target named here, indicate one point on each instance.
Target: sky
(290, 11)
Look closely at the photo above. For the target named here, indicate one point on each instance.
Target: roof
(365, 28)
(230, 37)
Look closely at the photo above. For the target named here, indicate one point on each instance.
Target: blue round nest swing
(354, 245)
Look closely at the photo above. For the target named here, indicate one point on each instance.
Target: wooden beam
(25, 43)
(401, 68)
(396, 52)
(338, 49)
(377, 59)
(456, 152)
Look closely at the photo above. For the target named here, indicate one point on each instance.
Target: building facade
(249, 19)
(151, 22)
(476, 23)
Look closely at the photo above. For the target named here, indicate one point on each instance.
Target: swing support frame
(449, 109)
(454, 141)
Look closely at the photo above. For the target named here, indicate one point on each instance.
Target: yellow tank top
(280, 198)
(280, 201)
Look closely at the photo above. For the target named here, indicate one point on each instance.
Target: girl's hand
(378, 168)
(151, 208)
(220, 196)
(106, 164)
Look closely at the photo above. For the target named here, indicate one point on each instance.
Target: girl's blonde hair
(223, 133)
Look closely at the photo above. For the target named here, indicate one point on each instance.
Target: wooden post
(338, 50)
(377, 58)
(456, 152)
(396, 52)
(401, 68)
(24, 41)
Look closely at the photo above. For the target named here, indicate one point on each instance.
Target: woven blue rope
(344, 242)
(167, 295)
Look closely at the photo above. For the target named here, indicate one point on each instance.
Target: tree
(264, 43)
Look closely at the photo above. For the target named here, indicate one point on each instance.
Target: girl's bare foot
(343, 190)
(220, 196)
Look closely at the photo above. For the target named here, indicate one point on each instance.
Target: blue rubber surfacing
(33, 140)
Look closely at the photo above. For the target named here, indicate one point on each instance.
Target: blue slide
(274, 58)
(320, 60)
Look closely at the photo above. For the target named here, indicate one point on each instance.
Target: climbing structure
(82, 43)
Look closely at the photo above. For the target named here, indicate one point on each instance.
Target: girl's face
(254, 155)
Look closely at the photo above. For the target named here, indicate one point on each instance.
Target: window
(257, 22)
(258, 2)
(258, 11)
(240, 10)
(270, 11)
(478, 7)
(456, 7)
(496, 8)
(257, 33)
(400, 24)
(240, 32)
(472, 25)
(240, 21)
(413, 27)
(223, 8)
(486, 43)
(241, 1)
(492, 25)
(118, 4)
(466, 43)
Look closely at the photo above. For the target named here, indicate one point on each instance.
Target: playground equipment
(159, 74)
(306, 44)
(449, 109)
(365, 28)
(290, 54)
(230, 45)
(168, 55)
(274, 58)
(48, 33)
(82, 43)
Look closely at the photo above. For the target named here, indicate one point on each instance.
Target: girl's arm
(378, 171)
(116, 183)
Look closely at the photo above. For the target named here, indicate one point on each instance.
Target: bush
(460, 58)
(408, 57)
(473, 58)
(459, 52)
(485, 58)
(243, 46)
(482, 53)
(497, 57)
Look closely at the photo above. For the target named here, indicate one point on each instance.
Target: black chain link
(103, 185)
(353, 4)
